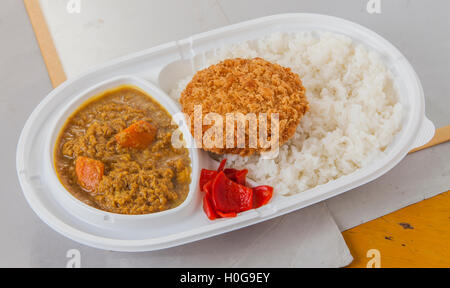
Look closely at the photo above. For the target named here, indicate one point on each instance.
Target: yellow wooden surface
(415, 236)
(45, 41)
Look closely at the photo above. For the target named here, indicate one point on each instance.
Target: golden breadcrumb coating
(247, 86)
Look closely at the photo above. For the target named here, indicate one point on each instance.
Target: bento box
(155, 71)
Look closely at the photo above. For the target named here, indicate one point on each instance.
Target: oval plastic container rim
(415, 131)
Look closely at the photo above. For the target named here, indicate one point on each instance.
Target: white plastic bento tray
(156, 70)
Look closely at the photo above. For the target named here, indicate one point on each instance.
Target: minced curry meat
(115, 153)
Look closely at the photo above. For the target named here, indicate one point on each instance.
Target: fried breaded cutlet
(247, 86)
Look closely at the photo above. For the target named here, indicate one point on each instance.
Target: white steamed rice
(354, 109)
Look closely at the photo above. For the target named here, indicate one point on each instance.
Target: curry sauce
(127, 179)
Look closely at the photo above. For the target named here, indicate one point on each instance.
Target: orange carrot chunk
(89, 172)
(138, 135)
